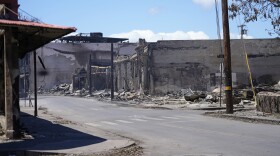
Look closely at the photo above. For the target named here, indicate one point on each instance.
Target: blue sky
(150, 19)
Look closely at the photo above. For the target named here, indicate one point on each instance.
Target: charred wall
(168, 66)
(190, 64)
(62, 59)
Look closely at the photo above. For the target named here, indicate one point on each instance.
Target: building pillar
(125, 77)
(2, 82)
(119, 76)
(145, 80)
(11, 76)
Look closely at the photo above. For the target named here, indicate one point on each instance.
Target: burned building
(168, 66)
(17, 38)
(66, 58)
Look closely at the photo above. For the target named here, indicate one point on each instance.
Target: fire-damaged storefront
(17, 38)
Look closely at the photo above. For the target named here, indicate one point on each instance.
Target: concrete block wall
(188, 64)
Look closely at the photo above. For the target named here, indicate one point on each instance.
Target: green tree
(253, 10)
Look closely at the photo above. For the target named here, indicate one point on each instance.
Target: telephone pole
(243, 31)
(35, 84)
(227, 58)
(112, 71)
(90, 76)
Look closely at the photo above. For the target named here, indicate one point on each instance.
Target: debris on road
(184, 98)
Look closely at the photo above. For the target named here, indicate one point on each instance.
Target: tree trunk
(268, 102)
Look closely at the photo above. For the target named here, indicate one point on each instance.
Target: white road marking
(109, 123)
(93, 124)
(135, 119)
(191, 118)
(151, 118)
(95, 109)
(181, 116)
(169, 117)
(123, 121)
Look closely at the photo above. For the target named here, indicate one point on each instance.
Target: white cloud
(238, 36)
(154, 11)
(205, 3)
(150, 36)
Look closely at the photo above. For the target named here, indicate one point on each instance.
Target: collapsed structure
(168, 66)
(75, 65)
(155, 68)
(76, 60)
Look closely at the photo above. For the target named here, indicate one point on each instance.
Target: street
(169, 132)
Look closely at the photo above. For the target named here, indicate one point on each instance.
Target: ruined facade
(62, 60)
(18, 37)
(168, 66)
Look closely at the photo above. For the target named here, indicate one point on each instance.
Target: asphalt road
(171, 132)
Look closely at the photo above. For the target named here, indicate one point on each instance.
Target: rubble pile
(62, 89)
(133, 97)
(82, 92)
(201, 96)
(277, 87)
(183, 97)
(102, 93)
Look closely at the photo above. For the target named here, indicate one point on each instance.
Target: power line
(35, 18)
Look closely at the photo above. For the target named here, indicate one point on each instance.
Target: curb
(242, 118)
(30, 153)
(84, 149)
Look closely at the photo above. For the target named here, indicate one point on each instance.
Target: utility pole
(227, 58)
(242, 30)
(112, 71)
(35, 84)
(24, 80)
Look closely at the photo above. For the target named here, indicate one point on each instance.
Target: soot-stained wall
(189, 64)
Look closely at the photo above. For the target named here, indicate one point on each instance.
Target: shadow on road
(48, 136)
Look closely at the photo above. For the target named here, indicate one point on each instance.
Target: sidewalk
(251, 116)
(246, 113)
(50, 135)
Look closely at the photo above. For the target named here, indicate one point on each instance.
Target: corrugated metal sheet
(33, 35)
(33, 24)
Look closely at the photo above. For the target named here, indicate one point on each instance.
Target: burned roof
(32, 35)
(91, 38)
